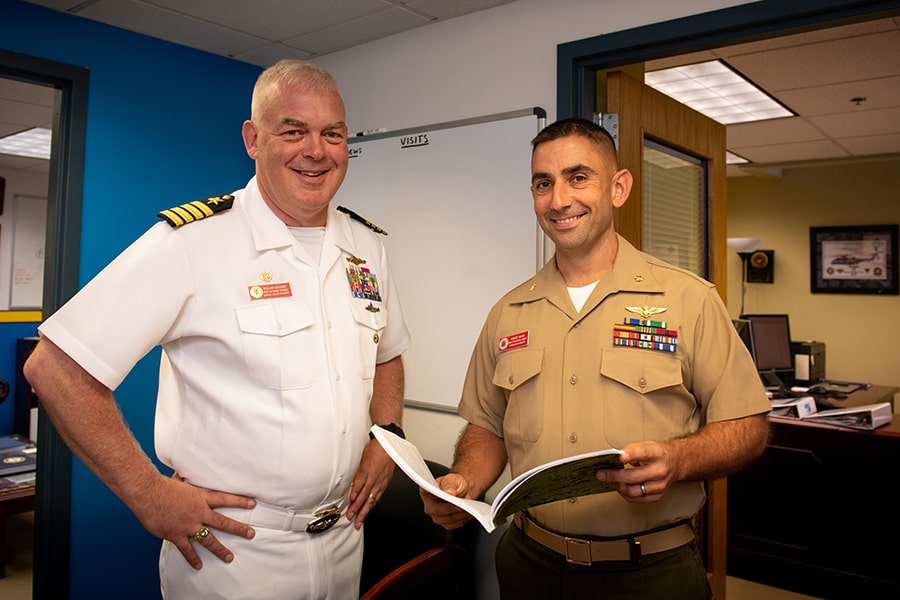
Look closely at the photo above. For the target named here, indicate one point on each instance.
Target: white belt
(270, 516)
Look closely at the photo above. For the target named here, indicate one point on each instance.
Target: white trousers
(277, 565)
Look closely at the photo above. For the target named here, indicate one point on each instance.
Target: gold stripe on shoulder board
(196, 210)
(359, 219)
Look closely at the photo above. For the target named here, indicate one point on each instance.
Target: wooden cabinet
(816, 514)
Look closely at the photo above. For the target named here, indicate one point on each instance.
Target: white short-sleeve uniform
(266, 373)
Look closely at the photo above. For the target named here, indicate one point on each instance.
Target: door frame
(61, 259)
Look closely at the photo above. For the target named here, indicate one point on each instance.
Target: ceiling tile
(776, 131)
(280, 19)
(442, 9)
(871, 145)
(870, 122)
(882, 92)
(24, 115)
(824, 63)
(358, 31)
(172, 27)
(801, 151)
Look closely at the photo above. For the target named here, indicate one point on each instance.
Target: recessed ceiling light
(716, 90)
(31, 143)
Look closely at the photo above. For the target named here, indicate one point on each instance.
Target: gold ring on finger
(201, 534)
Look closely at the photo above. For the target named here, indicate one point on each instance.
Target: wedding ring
(643, 490)
(372, 498)
(201, 534)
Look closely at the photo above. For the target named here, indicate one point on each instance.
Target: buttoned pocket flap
(517, 367)
(276, 318)
(643, 371)
(369, 314)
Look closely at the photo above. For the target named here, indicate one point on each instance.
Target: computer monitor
(771, 346)
(745, 333)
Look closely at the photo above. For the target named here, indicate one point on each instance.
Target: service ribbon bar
(644, 333)
(647, 329)
(644, 322)
(643, 344)
(646, 337)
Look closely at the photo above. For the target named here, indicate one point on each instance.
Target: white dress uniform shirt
(268, 357)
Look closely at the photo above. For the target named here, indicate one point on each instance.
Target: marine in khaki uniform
(605, 347)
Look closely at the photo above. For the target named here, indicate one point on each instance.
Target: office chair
(442, 573)
(397, 531)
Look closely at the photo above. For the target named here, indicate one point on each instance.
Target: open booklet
(557, 480)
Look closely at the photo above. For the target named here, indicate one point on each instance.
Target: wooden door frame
(659, 117)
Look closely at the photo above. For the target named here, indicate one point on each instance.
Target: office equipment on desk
(809, 361)
(770, 336)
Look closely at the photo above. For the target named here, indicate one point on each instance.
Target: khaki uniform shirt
(550, 381)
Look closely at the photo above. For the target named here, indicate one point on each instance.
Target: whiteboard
(29, 231)
(455, 201)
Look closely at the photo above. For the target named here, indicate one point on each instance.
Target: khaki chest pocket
(274, 335)
(643, 371)
(518, 372)
(644, 396)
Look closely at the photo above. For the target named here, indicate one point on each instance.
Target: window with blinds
(675, 207)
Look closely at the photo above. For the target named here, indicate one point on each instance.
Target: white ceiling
(816, 74)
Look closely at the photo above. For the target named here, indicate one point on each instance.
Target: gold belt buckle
(571, 544)
(324, 520)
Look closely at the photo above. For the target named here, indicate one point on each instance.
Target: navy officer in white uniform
(281, 335)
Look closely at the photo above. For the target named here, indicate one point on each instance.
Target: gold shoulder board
(362, 220)
(196, 210)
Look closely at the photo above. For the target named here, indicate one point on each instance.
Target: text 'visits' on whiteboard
(455, 201)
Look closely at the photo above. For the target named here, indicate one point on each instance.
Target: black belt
(584, 551)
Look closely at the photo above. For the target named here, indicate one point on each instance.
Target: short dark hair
(575, 126)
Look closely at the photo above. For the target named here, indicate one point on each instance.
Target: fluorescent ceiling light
(734, 159)
(717, 91)
(31, 143)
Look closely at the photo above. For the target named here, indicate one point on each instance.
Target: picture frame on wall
(857, 259)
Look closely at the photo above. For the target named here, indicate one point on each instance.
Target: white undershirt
(311, 239)
(579, 295)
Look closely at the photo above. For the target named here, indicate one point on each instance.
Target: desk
(16, 496)
(12, 501)
(813, 514)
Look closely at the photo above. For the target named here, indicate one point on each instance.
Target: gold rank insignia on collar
(362, 220)
(645, 311)
(196, 210)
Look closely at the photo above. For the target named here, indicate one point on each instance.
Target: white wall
(493, 61)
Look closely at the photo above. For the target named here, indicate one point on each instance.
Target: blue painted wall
(163, 128)
(9, 333)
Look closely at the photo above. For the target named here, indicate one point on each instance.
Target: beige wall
(860, 331)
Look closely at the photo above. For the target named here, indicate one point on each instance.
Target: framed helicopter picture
(859, 259)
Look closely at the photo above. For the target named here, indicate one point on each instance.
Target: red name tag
(510, 342)
(270, 290)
